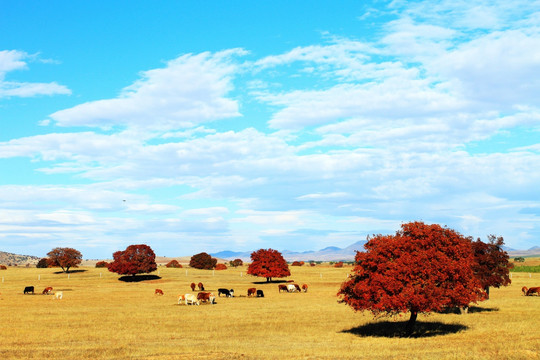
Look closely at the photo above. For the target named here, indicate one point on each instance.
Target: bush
(519, 259)
(221, 267)
(3, 267)
(173, 264)
(338, 264)
(236, 262)
(42, 263)
(297, 263)
(102, 264)
(312, 264)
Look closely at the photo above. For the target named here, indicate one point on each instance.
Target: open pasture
(101, 317)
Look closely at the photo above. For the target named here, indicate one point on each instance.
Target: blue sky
(209, 126)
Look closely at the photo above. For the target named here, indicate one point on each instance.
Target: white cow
(191, 299)
(58, 295)
(291, 288)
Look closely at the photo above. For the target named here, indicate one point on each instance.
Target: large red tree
(203, 261)
(268, 263)
(136, 259)
(492, 266)
(66, 258)
(422, 268)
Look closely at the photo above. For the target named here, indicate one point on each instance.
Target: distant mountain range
(331, 253)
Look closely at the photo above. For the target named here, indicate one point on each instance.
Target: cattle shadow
(70, 272)
(138, 278)
(390, 329)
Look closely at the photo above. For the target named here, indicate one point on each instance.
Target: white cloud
(11, 60)
(190, 90)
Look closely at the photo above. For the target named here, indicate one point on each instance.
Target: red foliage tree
(66, 258)
(236, 262)
(173, 264)
(268, 263)
(203, 261)
(338, 264)
(422, 268)
(136, 259)
(492, 266)
(43, 263)
(221, 267)
(296, 263)
(102, 264)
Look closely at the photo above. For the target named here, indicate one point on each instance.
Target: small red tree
(66, 258)
(422, 268)
(492, 265)
(173, 264)
(236, 262)
(296, 263)
(268, 263)
(136, 259)
(102, 264)
(203, 261)
(338, 264)
(221, 267)
(43, 263)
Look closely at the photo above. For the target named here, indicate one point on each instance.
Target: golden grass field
(101, 317)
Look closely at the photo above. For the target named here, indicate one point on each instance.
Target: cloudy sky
(238, 125)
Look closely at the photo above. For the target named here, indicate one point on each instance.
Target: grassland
(101, 317)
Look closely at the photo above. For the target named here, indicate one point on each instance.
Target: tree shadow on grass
(270, 282)
(70, 271)
(390, 329)
(138, 278)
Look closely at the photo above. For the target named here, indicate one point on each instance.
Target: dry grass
(103, 318)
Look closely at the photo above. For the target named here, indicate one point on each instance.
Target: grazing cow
(282, 287)
(251, 291)
(297, 287)
(304, 287)
(201, 286)
(531, 291)
(28, 289)
(58, 295)
(181, 298)
(226, 292)
(206, 297)
(191, 299)
(47, 290)
(260, 293)
(193, 286)
(291, 288)
(158, 292)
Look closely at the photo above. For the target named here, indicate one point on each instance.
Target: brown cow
(304, 287)
(282, 287)
(297, 287)
(158, 292)
(201, 286)
(47, 290)
(206, 297)
(251, 292)
(531, 291)
(193, 286)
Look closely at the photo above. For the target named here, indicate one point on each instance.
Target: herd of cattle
(208, 297)
(47, 291)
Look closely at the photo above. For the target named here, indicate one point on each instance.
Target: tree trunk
(411, 322)
(268, 279)
(487, 292)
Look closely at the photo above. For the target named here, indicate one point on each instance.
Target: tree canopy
(136, 259)
(268, 263)
(422, 268)
(202, 261)
(492, 265)
(66, 258)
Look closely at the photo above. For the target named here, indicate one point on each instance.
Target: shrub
(221, 267)
(236, 262)
(102, 264)
(519, 259)
(173, 264)
(42, 263)
(338, 264)
(297, 263)
(3, 267)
